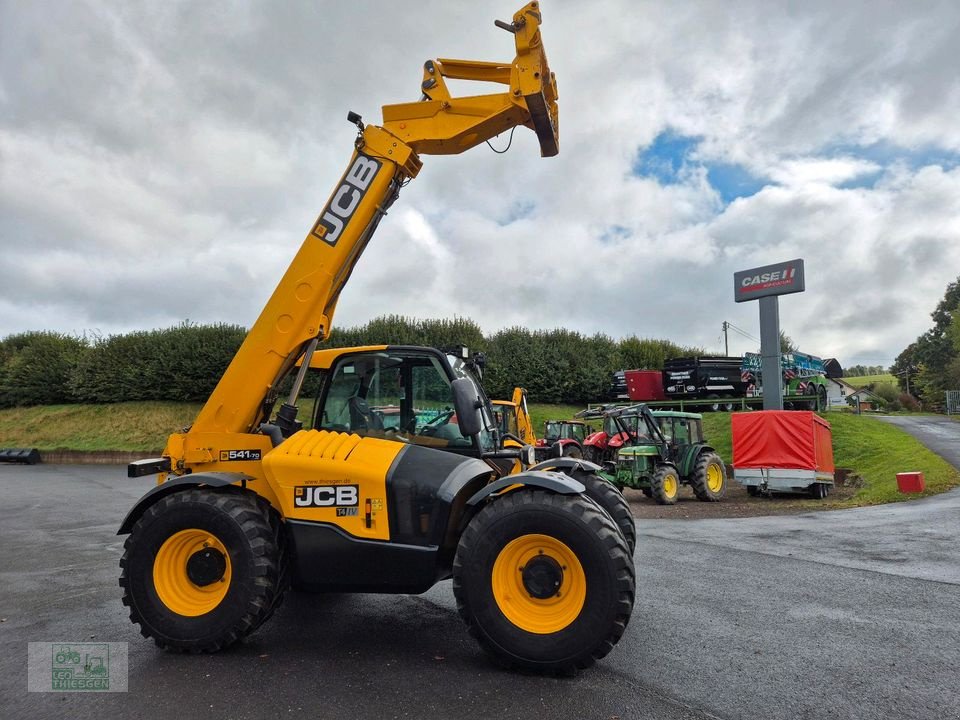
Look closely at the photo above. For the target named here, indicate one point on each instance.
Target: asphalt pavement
(937, 432)
(847, 614)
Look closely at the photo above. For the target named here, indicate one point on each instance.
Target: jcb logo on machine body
(337, 496)
(346, 199)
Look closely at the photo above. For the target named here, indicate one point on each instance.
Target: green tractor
(666, 451)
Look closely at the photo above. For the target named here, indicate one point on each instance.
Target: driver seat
(361, 417)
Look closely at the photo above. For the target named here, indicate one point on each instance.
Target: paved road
(851, 614)
(939, 433)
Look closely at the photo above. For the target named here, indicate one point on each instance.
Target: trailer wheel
(709, 479)
(821, 398)
(753, 490)
(647, 491)
(201, 569)
(665, 485)
(818, 490)
(544, 581)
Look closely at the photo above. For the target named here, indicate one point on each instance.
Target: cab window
(396, 397)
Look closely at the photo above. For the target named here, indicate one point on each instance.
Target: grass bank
(871, 448)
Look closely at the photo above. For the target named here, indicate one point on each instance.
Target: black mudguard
(563, 464)
(212, 479)
(552, 481)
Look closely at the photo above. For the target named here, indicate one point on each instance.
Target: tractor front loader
(392, 487)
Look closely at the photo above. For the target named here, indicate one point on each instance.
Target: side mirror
(467, 403)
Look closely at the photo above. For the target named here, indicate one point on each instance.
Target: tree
(933, 358)
(786, 343)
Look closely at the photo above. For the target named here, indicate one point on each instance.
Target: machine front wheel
(201, 569)
(544, 581)
(665, 485)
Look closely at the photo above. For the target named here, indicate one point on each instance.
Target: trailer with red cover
(784, 450)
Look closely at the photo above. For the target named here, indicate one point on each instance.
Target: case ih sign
(780, 279)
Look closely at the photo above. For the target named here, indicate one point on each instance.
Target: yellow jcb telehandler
(391, 496)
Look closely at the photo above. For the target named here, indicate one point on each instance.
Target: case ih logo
(777, 279)
(345, 199)
(768, 280)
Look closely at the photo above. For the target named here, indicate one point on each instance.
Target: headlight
(528, 455)
(691, 388)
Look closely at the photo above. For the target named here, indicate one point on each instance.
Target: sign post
(766, 284)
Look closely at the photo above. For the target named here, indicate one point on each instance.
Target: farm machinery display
(802, 375)
(562, 438)
(666, 449)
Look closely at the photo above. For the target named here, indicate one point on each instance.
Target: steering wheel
(431, 427)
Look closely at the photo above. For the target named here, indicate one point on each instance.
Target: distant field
(859, 381)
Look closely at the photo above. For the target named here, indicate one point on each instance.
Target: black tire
(818, 491)
(605, 577)
(821, 398)
(665, 485)
(647, 491)
(811, 391)
(572, 451)
(753, 490)
(614, 503)
(239, 523)
(609, 497)
(706, 473)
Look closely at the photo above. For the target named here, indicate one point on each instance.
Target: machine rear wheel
(201, 569)
(665, 485)
(709, 479)
(544, 581)
(818, 491)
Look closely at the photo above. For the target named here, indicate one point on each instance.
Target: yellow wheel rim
(533, 614)
(714, 477)
(670, 485)
(173, 585)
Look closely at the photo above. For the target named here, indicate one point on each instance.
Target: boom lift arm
(300, 311)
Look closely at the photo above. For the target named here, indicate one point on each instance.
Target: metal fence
(953, 402)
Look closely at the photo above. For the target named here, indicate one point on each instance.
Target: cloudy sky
(163, 161)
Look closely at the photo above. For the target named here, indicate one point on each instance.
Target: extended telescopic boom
(300, 311)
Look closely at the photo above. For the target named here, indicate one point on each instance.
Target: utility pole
(726, 341)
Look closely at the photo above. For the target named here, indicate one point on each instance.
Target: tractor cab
(666, 450)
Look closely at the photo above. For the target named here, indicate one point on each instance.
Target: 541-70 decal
(239, 455)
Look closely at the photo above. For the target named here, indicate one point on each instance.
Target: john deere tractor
(666, 450)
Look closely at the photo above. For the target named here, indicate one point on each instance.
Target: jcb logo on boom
(346, 199)
(326, 496)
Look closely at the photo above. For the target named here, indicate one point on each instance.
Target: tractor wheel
(544, 581)
(647, 491)
(709, 479)
(665, 485)
(821, 398)
(201, 569)
(572, 451)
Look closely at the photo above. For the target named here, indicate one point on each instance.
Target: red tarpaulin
(796, 439)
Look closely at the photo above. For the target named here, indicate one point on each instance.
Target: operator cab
(403, 394)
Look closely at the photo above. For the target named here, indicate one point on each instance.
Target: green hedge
(185, 362)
